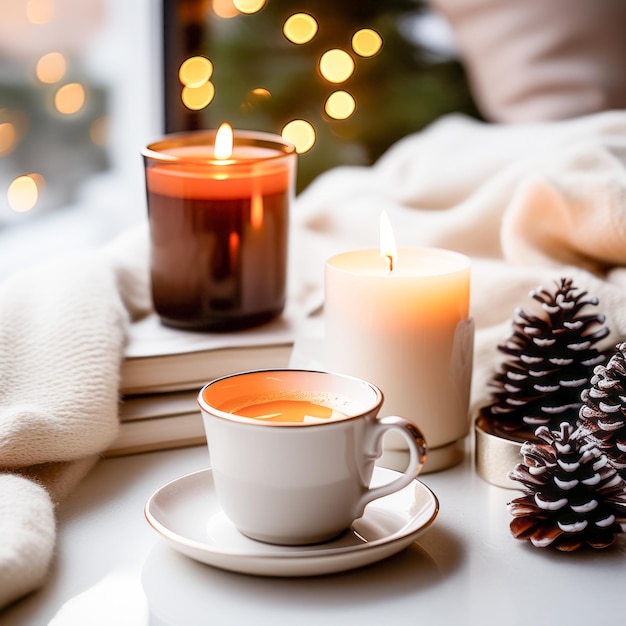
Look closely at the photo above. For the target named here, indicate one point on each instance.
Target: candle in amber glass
(219, 214)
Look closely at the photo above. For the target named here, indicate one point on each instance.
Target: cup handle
(417, 449)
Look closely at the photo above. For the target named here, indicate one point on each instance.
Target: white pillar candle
(406, 329)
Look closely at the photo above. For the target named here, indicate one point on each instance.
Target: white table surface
(111, 567)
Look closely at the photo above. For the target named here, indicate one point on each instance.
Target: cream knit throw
(62, 332)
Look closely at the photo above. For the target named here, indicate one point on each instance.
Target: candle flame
(223, 142)
(388, 248)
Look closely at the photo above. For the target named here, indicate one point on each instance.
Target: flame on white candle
(388, 248)
(223, 142)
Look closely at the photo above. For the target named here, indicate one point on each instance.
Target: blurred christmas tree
(262, 80)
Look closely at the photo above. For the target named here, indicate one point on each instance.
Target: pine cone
(602, 417)
(551, 362)
(573, 496)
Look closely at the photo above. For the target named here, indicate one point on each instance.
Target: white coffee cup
(306, 479)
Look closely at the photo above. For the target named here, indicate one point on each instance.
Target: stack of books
(165, 368)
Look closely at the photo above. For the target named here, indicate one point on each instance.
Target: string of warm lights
(68, 97)
(65, 97)
(336, 66)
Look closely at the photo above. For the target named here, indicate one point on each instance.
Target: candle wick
(390, 259)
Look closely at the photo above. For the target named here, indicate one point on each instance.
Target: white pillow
(536, 60)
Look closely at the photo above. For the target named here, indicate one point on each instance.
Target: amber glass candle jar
(219, 216)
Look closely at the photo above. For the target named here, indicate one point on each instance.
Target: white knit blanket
(62, 332)
(529, 204)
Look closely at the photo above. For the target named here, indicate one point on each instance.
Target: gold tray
(496, 454)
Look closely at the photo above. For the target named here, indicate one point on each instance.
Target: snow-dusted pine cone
(602, 417)
(573, 496)
(550, 362)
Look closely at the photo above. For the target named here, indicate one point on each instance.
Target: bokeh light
(198, 91)
(367, 42)
(300, 28)
(23, 192)
(340, 105)
(224, 8)
(336, 65)
(301, 134)
(255, 98)
(261, 92)
(8, 138)
(51, 68)
(70, 98)
(39, 11)
(195, 71)
(196, 98)
(249, 6)
(99, 130)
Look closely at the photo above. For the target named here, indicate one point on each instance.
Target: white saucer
(187, 514)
